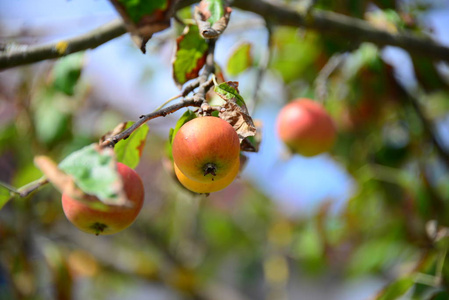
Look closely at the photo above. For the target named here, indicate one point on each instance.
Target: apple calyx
(210, 168)
(98, 227)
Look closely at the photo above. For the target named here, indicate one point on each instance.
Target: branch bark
(18, 55)
(325, 22)
(354, 29)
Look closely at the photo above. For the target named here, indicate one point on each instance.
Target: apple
(206, 149)
(114, 218)
(206, 187)
(305, 127)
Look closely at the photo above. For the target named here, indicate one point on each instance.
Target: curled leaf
(212, 17)
(144, 18)
(234, 110)
(229, 91)
(252, 143)
(240, 120)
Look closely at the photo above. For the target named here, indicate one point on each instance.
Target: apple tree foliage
(55, 136)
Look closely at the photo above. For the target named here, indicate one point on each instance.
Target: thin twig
(263, 66)
(25, 190)
(322, 78)
(167, 102)
(111, 141)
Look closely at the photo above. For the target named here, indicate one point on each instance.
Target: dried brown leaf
(241, 121)
(252, 143)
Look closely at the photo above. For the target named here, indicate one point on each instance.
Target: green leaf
(67, 72)
(240, 60)
(190, 56)
(130, 150)
(396, 289)
(229, 92)
(94, 172)
(137, 9)
(5, 196)
(168, 145)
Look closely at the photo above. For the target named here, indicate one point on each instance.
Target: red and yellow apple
(114, 218)
(206, 149)
(206, 187)
(305, 127)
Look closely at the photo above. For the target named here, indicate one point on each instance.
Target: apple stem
(210, 168)
(98, 227)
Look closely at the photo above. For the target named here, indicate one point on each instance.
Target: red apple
(305, 127)
(115, 218)
(206, 149)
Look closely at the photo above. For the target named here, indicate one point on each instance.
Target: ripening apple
(115, 218)
(206, 149)
(206, 187)
(305, 127)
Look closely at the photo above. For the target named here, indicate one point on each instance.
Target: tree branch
(25, 190)
(354, 29)
(325, 22)
(111, 141)
(17, 55)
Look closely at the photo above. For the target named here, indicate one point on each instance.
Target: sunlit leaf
(129, 151)
(94, 172)
(240, 60)
(228, 91)
(190, 56)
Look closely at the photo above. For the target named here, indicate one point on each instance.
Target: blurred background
(365, 221)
